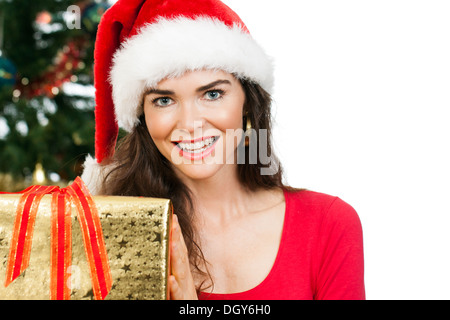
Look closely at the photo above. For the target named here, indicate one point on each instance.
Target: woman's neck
(219, 197)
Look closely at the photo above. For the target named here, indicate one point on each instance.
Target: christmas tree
(46, 88)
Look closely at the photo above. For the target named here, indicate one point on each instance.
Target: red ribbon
(61, 238)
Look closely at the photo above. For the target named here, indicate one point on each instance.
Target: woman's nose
(190, 116)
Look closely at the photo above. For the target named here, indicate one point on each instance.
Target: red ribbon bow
(61, 238)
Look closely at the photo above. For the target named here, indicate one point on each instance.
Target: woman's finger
(175, 290)
(183, 286)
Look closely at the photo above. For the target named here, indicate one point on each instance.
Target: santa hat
(141, 42)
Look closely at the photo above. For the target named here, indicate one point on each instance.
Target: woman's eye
(163, 102)
(213, 95)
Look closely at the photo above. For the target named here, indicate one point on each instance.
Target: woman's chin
(200, 172)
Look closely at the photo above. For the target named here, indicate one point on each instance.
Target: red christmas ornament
(68, 60)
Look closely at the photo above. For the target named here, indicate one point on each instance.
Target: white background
(362, 112)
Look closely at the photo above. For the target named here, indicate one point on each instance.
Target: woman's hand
(181, 282)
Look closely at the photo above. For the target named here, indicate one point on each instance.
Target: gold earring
(247, 131)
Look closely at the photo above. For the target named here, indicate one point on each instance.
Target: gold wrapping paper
(136, 233)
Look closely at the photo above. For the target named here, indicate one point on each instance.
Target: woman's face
(195, 120)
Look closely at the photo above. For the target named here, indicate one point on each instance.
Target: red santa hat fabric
(141, 42)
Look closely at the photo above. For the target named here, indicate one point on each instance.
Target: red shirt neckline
(260, 286)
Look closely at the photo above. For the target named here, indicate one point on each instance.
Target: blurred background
(361, 111)
(46, 90)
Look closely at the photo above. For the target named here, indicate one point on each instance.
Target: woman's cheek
(227, 118)
(159, 126)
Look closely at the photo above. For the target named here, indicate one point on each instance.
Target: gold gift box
(136, 232)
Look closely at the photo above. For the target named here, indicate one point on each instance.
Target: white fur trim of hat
(204, 43)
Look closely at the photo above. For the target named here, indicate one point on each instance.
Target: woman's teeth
(198, 146)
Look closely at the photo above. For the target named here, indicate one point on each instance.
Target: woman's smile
(197, 148)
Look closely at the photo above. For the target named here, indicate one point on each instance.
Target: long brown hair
(139, 169)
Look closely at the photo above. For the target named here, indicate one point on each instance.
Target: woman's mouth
(197, 149)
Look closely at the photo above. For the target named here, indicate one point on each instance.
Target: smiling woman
(198, 116)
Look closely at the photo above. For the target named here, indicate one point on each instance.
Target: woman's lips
(194, 140)
(197, 148)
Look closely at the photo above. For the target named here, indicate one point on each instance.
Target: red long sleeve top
(320, 254)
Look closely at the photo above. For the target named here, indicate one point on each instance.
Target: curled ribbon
(61, 238)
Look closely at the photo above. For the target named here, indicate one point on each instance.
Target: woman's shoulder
(320, 205)
(307, 197)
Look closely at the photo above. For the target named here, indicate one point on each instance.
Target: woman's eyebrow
(200, 89)
(212, 85)
(159, 92)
